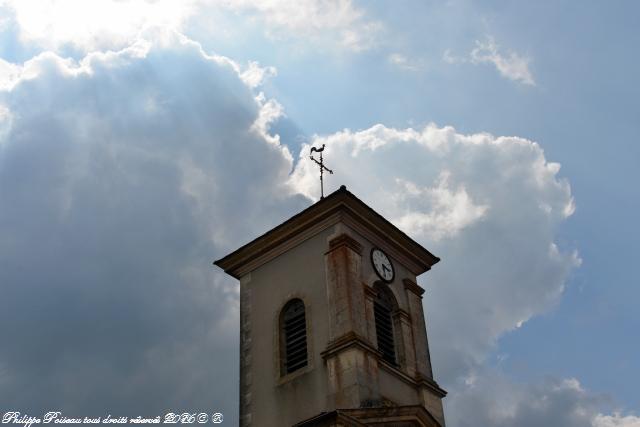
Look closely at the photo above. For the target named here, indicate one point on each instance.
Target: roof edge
(323, 208)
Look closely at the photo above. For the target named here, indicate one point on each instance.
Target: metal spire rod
(322, 167)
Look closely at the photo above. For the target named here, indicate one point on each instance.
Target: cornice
(369, 291)
(345, 240)
(340, 205)
(412, 286)
(347, 340)
(351, 339)
(379, 239)
(335, 417)
(401, 314)
(419, 381)
(431, 385)
(278, 246)
(390, 415)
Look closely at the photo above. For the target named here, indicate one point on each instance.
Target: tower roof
(341, 205)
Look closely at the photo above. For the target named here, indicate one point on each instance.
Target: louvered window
(293, 336)
(383, 307)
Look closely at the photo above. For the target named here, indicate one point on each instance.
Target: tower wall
(269, 398)
(323, 257)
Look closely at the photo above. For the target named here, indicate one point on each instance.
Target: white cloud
(616, 420)
(339, 21)
(94, 24)
(9, 74)
(489, 206)
(405, 63)
(113, 24)
(449, 210)
(510, 65)
(450, 58)
(255, 75)
(491, 399)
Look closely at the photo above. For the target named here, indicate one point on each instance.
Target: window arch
(383, 306)
(293, 337)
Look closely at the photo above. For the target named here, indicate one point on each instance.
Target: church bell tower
(332, 329)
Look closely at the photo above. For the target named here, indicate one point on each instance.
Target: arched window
(383, 305)
(293, 337)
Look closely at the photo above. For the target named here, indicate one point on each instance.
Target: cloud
(403, 62)
(450, 58)
(114, 24)
(255, 75)
(510, 65)
(121, 178)
(450, 210)
(337, 21)
(93, 25)
(616, 420)
(9, 73)
(494, 400)
(124, 174)
(489, 206)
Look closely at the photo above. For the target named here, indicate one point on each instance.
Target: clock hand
(384, 267)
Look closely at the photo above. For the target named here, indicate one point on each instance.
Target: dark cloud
(121, 179)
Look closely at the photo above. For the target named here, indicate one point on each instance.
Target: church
(332, 329)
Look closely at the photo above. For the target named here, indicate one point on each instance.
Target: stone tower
(332, 329)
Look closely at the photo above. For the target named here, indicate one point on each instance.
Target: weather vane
(322, 167)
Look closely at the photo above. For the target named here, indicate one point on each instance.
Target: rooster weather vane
(321, 165)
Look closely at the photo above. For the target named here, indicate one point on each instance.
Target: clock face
(382, 265)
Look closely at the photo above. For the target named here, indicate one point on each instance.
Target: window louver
(294, 334)
(382, 309)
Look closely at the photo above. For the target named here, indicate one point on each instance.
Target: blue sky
(134, 132)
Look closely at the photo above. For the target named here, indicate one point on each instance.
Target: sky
(140, 140)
